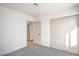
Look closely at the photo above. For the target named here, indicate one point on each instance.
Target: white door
(37, 32)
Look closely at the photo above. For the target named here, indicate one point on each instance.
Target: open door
(37, 32)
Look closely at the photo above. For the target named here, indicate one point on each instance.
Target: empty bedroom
(39, 29)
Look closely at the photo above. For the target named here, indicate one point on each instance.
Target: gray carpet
(38, 50)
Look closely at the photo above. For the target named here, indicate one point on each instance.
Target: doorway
(33, 32)
(29, 33)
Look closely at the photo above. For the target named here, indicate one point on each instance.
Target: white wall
(45, 30)
(45, 24)
(12, 30)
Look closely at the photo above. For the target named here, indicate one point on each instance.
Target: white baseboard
(13, 50)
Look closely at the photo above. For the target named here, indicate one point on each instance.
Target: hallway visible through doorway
(29, 42)
(29, 33)
(33, 32)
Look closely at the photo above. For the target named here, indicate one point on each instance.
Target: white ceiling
(41, 9)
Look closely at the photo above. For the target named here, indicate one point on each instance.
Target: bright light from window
(67, 40)
(71, 38)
